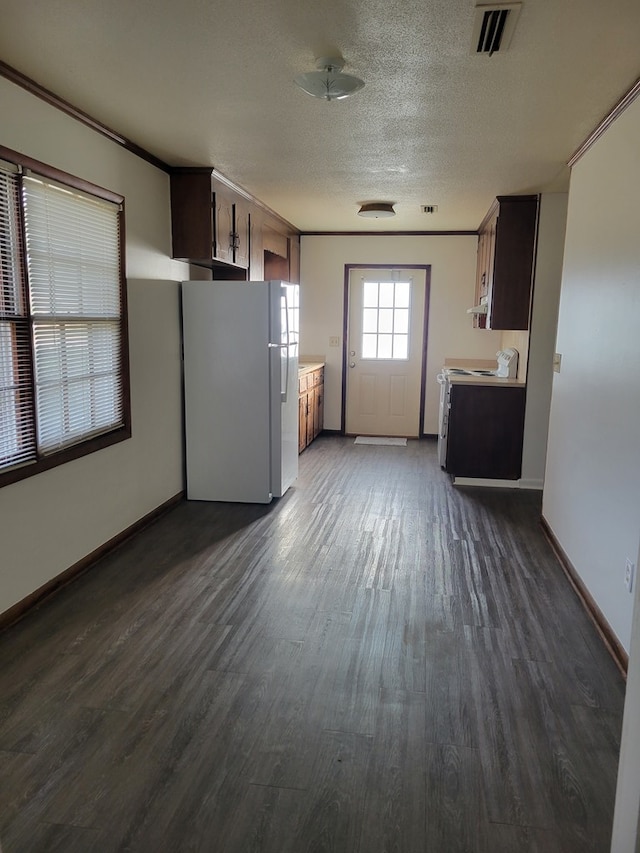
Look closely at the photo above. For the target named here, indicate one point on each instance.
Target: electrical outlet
(557, 361)
(629, 572)
(334, 341)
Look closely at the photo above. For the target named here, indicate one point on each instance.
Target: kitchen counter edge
(309, 367)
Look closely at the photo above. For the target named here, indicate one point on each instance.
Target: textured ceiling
(210, 83)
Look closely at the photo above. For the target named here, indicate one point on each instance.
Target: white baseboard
(498, 484)
(532, 484)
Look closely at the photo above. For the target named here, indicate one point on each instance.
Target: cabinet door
(479, 320)
(311, 402)
(318, 410)
(511, 277)
(223, 223)
(192, 215)
(484, 266)
(302, 421)
(485, 432)
(256, 250)
(241, 234)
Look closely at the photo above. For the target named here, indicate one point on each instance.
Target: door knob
(352, 364)
(352, 352)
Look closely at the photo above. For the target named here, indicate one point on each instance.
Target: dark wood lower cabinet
(310, 406)
(486, 428)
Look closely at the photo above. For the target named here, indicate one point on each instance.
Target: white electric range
(507, 368)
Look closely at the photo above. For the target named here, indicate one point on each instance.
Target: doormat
(375, 439)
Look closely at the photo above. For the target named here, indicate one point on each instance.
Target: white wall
(542, 336)
(592, 485)
(77, 507)
(453, 269)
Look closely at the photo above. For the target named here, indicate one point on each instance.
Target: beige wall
(592, 485)
(77, 507)
(591, 497)
(453, 264)
(538, 362)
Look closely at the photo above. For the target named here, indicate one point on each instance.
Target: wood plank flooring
(376, 662)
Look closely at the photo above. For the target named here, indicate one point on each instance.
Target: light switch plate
(557, 361)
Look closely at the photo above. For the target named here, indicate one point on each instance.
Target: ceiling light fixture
(377, 210)
(328, 82)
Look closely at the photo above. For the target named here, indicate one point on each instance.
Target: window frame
(83, 447)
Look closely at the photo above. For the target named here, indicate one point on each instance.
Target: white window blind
(73, 262)
(17, 427)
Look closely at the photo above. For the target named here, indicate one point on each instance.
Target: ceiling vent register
(493, 27)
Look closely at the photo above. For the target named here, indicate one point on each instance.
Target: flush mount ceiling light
(377, 210)
(328, 82)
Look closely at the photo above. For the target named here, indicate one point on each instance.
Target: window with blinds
(17, 425)
(62, 333)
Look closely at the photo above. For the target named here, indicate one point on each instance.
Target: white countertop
(502, 381)
(308, 366)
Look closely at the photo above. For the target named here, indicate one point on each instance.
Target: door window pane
(370, 320)
(401, 346)
(370, 294)
(369, 346)
(401, 321)
(385, 346)
(385, 322)
(403, 291)
(387, 289)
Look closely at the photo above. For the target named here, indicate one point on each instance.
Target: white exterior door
(384, 352)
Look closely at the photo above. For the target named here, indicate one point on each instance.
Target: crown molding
(606, 122)
(59, 103)
(388, 233)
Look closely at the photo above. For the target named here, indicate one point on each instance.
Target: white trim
(498, 484)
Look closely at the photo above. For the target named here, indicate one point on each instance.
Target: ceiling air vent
(493, 27)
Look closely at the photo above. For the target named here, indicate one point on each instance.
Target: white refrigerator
(240, 352)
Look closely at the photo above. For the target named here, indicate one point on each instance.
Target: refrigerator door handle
(283, 394)
(285, 299)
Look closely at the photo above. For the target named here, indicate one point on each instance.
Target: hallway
(375, 662)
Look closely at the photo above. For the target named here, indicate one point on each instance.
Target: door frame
(348, 269)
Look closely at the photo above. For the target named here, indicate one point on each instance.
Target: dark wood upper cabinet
(203, 215)
(219, 226)
(505, 267)
(192, 215)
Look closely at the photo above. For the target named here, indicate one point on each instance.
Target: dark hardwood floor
(376, 662)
